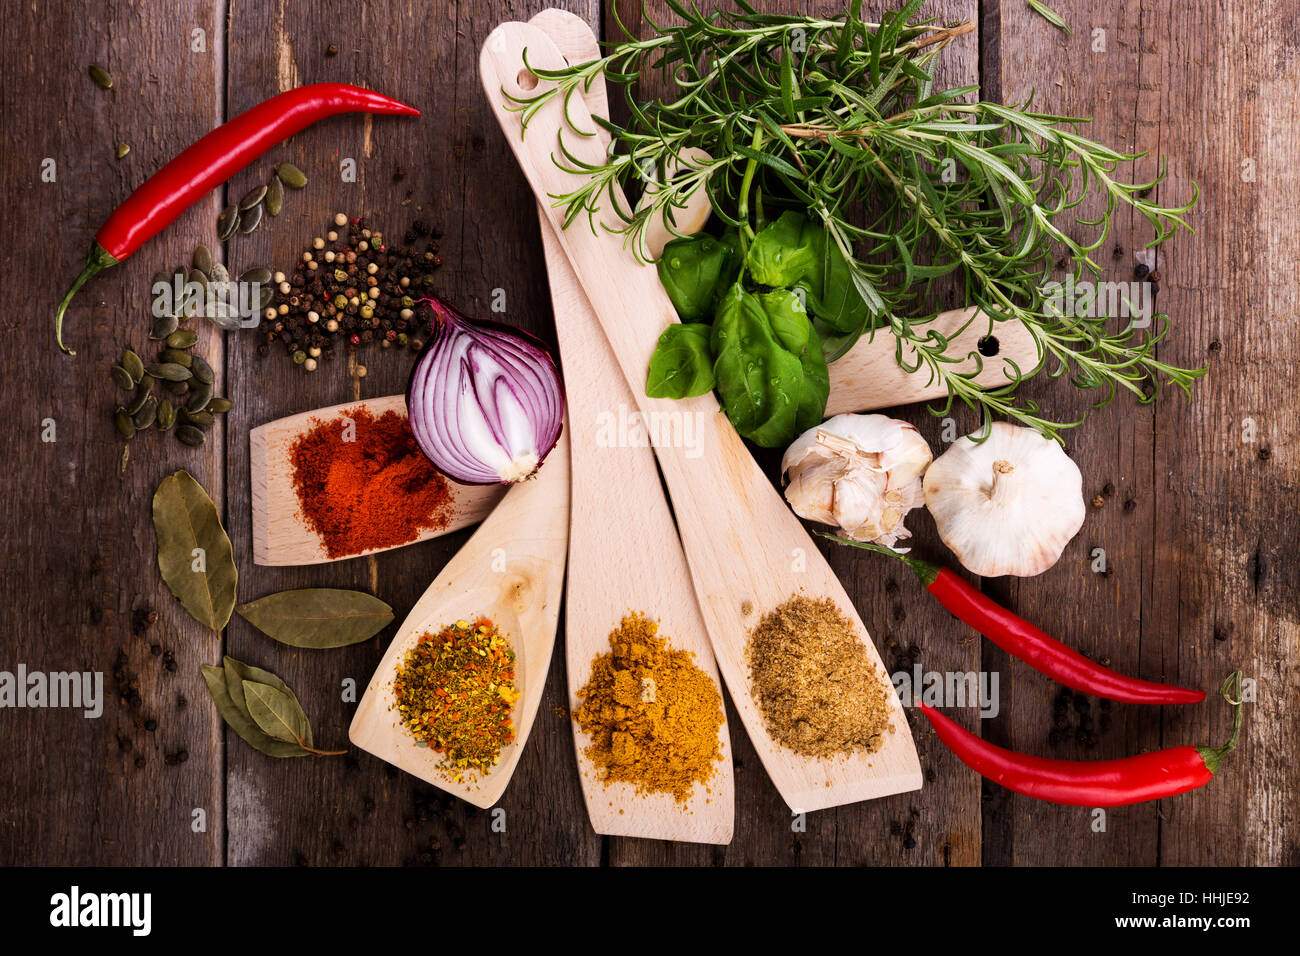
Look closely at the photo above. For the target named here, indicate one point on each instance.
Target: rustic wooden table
(1199, 530)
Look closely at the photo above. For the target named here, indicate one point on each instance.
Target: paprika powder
(363, 483)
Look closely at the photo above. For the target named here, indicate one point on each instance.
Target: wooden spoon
(281, 534)
(624, 553)
(747, 551)
(510, 571)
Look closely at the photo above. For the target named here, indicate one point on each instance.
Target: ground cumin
(363, 483)
(814, 682)
(651, 713)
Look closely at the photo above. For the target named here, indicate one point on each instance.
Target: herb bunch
(839, 119)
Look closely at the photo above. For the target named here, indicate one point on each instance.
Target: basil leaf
(782, 254)
(833, 296)
(693, 271)
(759, 382)
(682, 363)
(794, 331)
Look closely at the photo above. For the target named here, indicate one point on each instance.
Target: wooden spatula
(747, 551)
(281, 534)
(624, 553)
(510, 571)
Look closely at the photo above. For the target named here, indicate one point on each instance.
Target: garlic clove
(1008, 505)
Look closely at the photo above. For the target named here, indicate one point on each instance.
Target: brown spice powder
(814, 681)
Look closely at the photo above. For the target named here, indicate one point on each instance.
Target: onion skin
(538, 387)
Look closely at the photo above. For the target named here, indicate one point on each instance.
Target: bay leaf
(240, 721)
(184, 520)
(275, 712)
(237, 672)
(318, 617)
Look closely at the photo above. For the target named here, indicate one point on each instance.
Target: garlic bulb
(861, 473)
(1007, 505)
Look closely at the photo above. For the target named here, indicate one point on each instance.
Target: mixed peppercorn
(350, 288)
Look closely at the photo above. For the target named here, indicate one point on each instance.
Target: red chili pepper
(1092, 783)
(210, 162)
(1021, 639)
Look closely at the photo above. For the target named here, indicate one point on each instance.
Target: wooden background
(1203, 575)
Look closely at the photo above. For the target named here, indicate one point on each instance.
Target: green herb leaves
(318, 617)
(696, 271)
(682, 363)
(261, 709)
(908, 183)
(194, 553)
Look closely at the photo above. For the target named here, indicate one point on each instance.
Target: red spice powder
(376, 490)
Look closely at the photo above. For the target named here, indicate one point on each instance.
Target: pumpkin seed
(274, 196)
(123, 149)
(163, 326)
(201, 370)
(203, 420)
(169, 372)
(148, 412)
(166, 415)
(122, 421)
(259, 274)
(264, 296)
(221, 317)
(189, 435)
(290, 175)
(177, 388)
(202, 260)
(182, 339)
(134, 367)
(141, 396)
(200, 393)
(227, 222)
(220, 274)
(101, 76)
(176, 356)
(219, 406)
(201, 278)
(250, 219)
(160, 277)
(252, 198)
(121, 377)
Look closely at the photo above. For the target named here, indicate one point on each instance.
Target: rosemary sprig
(839, 118)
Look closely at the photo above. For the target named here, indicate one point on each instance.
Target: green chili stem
(1213, 756)
(924, 570)
(96, 262)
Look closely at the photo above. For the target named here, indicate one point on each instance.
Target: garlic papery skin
(860, 473)
(1007, 505)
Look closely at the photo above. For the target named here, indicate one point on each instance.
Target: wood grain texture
(281, 533)
(79, 555)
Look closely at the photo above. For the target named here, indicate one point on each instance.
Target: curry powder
(652, 715)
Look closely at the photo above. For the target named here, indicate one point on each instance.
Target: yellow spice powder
(651, 713)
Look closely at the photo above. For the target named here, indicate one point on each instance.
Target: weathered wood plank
(79, 551)
(1205, 504)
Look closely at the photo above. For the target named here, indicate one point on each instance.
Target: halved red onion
(486, 402)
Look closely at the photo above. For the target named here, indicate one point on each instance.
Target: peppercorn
(1141, 270)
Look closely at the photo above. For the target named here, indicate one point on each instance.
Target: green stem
(925, 572)
(742, 203)
(98, 260)
(1213, 756)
